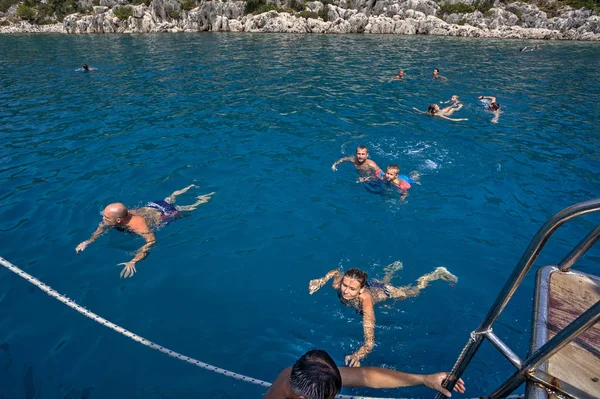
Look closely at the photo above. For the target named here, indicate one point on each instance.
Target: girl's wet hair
(494, 106)
(358, 275)
(431, 109)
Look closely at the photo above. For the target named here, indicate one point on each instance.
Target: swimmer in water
(361, 161)
(400, 75)
(86, 68)
(140, 221)
(493, 106)
(437, 76)
(434, 110)
(392, 176)
(354, 290)
(454, 101)
(536, 47)
(316, 376)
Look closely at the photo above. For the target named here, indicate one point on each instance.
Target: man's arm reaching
(101, 227)
(376, 377)
(335, 164)
(129, 269)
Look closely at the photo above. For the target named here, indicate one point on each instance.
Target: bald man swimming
(140, 221)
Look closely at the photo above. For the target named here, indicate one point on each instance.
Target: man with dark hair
(493, 106)
(315, 376)
(361, 161)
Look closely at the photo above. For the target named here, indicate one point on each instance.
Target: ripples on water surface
(260, 119)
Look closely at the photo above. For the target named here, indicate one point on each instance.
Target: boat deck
(567, 296)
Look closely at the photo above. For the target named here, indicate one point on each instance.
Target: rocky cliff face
(409, 17)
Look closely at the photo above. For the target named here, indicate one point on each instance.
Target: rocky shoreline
(407, 17)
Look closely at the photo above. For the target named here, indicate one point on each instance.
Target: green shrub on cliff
(5, 4)
(324, 13)
(188, 5)
(552, 8)
(123, 13)
(252, 5)
(259, 6)
(297, 5)
(308, 14)
(458, 8)
(26, 13)
(482, 6)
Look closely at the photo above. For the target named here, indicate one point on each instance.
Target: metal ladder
(529, 369)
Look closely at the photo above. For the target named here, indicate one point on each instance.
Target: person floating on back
(140, 221)
(361, 161)
(493, 106)
(434, 110)
(354, 290)
(316, 376)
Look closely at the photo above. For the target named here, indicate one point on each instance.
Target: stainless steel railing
(527, 369)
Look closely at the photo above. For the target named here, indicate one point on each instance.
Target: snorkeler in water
(140, 221)
(434, 110)
(355, 290)
(361, 161)
(493, 106)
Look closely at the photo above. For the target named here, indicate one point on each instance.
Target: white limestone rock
(358, 22)
(317, 25)
(339, 26)
(314, 6)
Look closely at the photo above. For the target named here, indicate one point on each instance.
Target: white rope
(73, 305)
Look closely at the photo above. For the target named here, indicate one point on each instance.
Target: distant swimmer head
(494, 106)
(433, 109)
(362, 153)
(114, 214)
(315, 376)
(85, 67)
(454, 98)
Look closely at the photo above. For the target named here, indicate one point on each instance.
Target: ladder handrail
(515, 279)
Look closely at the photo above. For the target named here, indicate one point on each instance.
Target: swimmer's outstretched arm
(377, 377)
(496, 116)
(345, 159)
(491, 98)
(368, 330)
(101, 228)
(129, 267)
(316, 284)
(451, 119)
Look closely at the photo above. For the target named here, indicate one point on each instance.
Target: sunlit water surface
(260, 119)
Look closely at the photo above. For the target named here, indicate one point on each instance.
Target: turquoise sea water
(260, 119)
